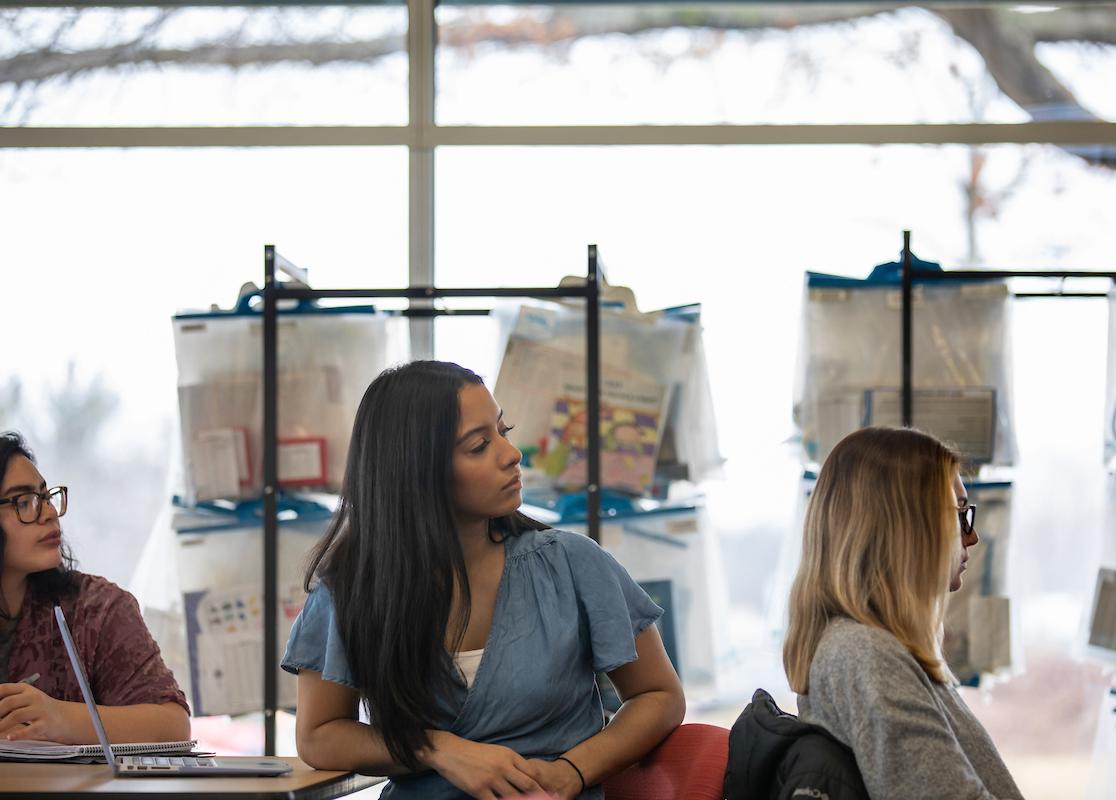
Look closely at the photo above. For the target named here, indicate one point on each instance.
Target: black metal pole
(270, 511)
(906, 334)
(428, 292)
(593, 393)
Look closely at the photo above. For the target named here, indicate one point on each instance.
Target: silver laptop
(152, 766)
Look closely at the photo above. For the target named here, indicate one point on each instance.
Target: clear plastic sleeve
(199, 582)
(980, 634)
(850, 363)
(649, 367)
(326, 360)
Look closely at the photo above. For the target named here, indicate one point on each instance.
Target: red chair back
(689, 765)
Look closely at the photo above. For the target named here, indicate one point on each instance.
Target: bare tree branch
(1004, 39)
(1009, 55)
(1081, 24)
(44, 65)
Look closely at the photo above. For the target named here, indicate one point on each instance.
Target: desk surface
(46, 780)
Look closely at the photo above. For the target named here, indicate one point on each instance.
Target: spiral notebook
(53, 751)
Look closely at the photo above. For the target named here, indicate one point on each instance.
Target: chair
(688, 765)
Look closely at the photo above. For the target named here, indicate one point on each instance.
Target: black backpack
(775, 756)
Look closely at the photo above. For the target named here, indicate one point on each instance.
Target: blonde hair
(876, 547)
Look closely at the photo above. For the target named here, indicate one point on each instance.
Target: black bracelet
(579, 775)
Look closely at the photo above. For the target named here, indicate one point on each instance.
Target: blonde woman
(886, 539)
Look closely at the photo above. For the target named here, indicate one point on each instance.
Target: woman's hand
(484, 771)
(556, 777)
(27, 713)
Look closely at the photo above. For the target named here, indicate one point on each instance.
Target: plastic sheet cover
(980, 630)
(200, 584)
(648, 368)
(850, 362)
(326, 361)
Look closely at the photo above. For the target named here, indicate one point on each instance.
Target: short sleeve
(315, 643)
(615, 608)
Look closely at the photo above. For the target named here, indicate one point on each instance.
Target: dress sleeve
(616, 610)
(903, 742)
(127, 667)
(315, 643)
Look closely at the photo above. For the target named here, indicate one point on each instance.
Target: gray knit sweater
(912, 737)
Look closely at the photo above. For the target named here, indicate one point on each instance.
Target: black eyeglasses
(29, 505)
(967, 515)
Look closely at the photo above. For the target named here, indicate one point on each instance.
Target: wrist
(76, 724)
(577, 777)
(430, 756)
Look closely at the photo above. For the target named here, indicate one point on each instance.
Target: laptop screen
(83, 682)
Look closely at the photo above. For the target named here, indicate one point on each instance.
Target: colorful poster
(631, 425)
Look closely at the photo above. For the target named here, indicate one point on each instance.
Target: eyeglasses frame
(44, 497)
(967, 515)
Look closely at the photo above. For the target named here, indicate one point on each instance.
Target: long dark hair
(391, 556)
(53, 583)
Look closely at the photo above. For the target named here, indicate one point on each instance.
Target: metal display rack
(910, 274)
(275, 291)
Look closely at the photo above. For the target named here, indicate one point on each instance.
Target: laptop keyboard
(173, 761)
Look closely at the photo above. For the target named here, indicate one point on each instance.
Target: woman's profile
(471, 634)
(886, 539)
(39, 694)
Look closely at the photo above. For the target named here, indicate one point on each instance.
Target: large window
(344, 65)
(103, 245)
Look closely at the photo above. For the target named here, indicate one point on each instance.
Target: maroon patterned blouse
(120, 658)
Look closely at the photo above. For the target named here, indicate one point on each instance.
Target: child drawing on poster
(629, 439)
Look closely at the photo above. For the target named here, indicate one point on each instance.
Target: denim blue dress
(565, 610)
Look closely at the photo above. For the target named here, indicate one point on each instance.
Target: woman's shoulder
(554, 543)
(95, 593)
(846, 641)
(93, 606)
(863, 661)
(319, 600)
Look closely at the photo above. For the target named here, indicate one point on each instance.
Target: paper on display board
(1102, 624)
(964, 418)
(224, 633)
(836, 415)
(978, 622)
(990, 632)
(222, 454)
(326, 360)
(631, 424)
(541, 388)
(851, 344)
(525, 387)
(219, 462)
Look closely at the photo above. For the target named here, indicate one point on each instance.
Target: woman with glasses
(886, 539)
(39, 696)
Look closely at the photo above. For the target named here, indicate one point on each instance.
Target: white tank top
(467, 662)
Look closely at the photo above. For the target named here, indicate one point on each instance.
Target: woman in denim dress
(471, 634)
